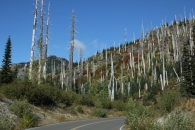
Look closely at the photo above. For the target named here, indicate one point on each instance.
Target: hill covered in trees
(151, 79)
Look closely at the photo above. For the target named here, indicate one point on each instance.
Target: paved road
(94, 124)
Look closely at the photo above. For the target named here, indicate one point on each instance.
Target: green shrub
(19, 108)
(41, 95)
(73, 96)
(86, 99)
(98, 104)
(98, 112)
(119, 105)
(6, 124)
(178, 122)
(28, 120)
(138, 117)
(169, 100)
(80, 109)
(175, 121)
(23, 110)
(16, 90)
(72, 110)
(67, 98)
(106, 103)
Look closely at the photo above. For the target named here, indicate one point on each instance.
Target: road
(94, 124)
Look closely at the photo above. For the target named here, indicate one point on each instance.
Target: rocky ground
(5, 112)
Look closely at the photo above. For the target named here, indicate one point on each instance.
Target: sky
(99, 23)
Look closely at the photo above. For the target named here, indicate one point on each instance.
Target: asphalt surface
(94, 124)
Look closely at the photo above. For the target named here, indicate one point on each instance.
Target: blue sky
(99, 23)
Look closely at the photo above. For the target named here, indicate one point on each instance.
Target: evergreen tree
(193, 33)
(188, 61)
(191, 90)
(15, 73)
(0, 78)
(6, 73)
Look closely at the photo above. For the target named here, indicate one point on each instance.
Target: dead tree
(33, 39)
(125, 39)
(40, 42)
(81, 62)
(71, 50)
(46, 45)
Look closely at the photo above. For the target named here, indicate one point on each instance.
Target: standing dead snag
(46, 45)
(125, 33)
(81, 61)
(33, 39)
(40, 42)
(71, 51)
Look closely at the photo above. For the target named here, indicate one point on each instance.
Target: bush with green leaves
(106, 103)
(68, 98)
(19, 108)
(28, 120)
(119, 105)
(80, 109)
(175, 121)
(99, 112)
(98, 104)
(168, 100)
(73, 110)
(86, 99)
(16, 90)
(138, 117)
(24, 111)
(41, 95)
(6, 124)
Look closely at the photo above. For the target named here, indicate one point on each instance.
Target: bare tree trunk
(125, 38)
(46, 45)
(161, 81)
(106, 67)
(71, 51)
(53, 69)
(138, 65)
(129, 88)
(62, 75)
(33, 39)
(122, 85)
(143, 63)
(40, 43)
(112, 79)
(74, 79)
(87, 71)
(81, 62)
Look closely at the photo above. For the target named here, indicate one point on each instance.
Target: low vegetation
(48, 97)
(6, 124)
(170, 112)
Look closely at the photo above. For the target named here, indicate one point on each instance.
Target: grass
(188, 104)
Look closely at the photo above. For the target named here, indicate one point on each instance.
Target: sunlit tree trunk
(46, 45)
(40, 42)
(71, 51)
(33, 39)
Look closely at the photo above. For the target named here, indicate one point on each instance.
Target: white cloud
(95, 43)
(79, 45)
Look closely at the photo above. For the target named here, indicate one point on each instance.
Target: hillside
(147, 78)
(51, 60)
